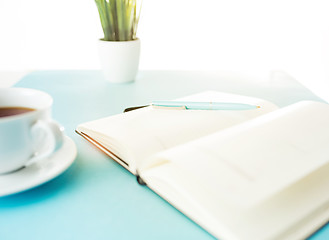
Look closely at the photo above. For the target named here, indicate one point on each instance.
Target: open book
(240, 174)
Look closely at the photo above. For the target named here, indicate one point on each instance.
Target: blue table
(96, 198)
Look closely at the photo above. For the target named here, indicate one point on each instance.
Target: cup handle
(47, 137)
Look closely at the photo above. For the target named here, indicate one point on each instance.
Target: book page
(136, 135)
(250, 162)
(294, 213)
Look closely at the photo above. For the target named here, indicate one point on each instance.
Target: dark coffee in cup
(28, 134)
(11, 111)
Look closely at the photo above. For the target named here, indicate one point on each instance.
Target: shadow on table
(42, 192)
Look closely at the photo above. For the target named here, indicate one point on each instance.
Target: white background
(238, 35)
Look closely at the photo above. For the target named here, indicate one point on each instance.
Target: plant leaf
(119, 19)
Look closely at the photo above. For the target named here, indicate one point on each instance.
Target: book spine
(139, 179)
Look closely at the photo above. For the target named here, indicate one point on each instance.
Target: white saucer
(39, 172)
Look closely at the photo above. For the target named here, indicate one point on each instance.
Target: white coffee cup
(27, 137)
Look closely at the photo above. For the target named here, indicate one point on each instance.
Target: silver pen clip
(169, 108)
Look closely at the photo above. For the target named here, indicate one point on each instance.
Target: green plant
(119, 19)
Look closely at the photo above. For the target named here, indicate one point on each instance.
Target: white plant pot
(119, 59)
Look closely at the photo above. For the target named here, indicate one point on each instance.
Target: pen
(205, 105)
